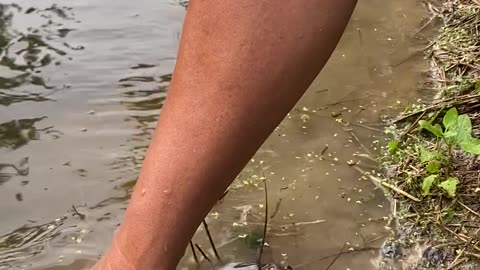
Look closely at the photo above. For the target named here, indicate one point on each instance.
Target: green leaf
(435, 130)
(463, 129)
(450, 134)
(450, 118)
(427, 184)
(426, 155)
(477, 87)
(434, 166)
(393, 146)
(450, 186)
(471, 146)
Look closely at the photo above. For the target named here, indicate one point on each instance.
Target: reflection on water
(8, 170)
(17, 133)
(25, 52)
(81, 88)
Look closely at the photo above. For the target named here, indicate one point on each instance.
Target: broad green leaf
(426, 155)
(477, 87)
(393, 146)
(435, 130)
(450, 134)
(450, 186)
(463, 129)
(450, 118)
(434, 166)
(471, 146)
(427, 184)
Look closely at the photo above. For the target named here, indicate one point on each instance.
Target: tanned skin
(242, 65)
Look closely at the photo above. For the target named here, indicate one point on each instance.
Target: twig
(457, 262)
(265, 225)
(472, 254)
(223, 196)
(211, 240)
(469, 209)
(367, 127)
(336, 257)
(358, 141)
(277, 206)
(324, 150)
(75, 212)
(462, 251)
(203, 254)
(396, 189)
(412, 126)
(446, 103)
(194, 253)
(425, 25)
(390, 186)
(306, 223)
(293, 223)
(464, 239)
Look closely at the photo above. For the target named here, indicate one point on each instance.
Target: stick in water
(211, 240)
(194, 253)
(203, 254)
(265, 225)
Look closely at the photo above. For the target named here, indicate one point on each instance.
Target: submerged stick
(336, 258)
(265, 225)
(277, 207)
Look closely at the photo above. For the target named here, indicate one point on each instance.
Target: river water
(82, 84)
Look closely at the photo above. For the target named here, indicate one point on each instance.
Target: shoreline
(431, 166)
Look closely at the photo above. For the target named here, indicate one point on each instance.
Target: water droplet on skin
(143, 192)
(167, 191)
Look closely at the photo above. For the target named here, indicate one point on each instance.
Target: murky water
(82, 83)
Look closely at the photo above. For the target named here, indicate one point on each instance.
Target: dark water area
(81, 87)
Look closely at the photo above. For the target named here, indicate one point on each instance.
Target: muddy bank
(431, 165)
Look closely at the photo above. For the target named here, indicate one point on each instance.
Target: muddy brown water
(82, 83)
